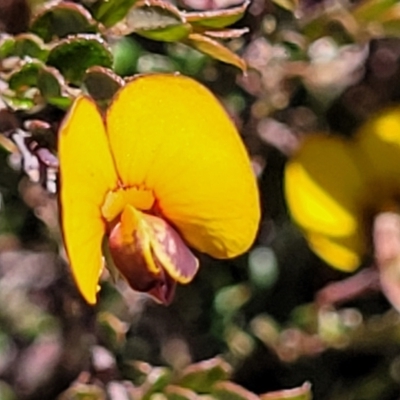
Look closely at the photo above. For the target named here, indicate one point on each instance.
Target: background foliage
(268, 320)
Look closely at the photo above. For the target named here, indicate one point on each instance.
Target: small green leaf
(168, 34)
(6, 392)
(216, 18)
(112, 329)
(301, 393)
(126, 52)
(18, 103)
(7, 44)
(173, 392)
(49, 82)
(74, 55)
(150, 62)
(155, 20)
(230, 298)
(390, 21)
(289, 5)
(29, 45)
(109, 12)
(25, 77)
(63, 103)
(82, 391)
(153, 14)
(215, 49)
(371, 9)
(61, 20)
(391, 28)
(232, 391)
(102, 83)
(187, 60)
(7, 145)
(23, 45)
(156, 381)
(202, 376)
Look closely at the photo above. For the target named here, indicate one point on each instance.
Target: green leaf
(157, 20)
(82, 391)
(30, 45)
(289, 5)
(188, 60)
(126, 52)
(301, 393)
(230, 298)
(112, 329)
(215, 49)
(202, 376)
(7, 44)
(18, 103)
(232, 391)
(23, 45)
(7, 145)
(74, 55)
(371, 9)
(156, 381)
(63, 103)
(6, 392)
(25, 77)
(216, 18)
(61, 20)
(173, 392)
(50, 82)
(390, 21)
(150, 63)
(109, 12)
(153, 14)
(169, 34)
(102, 83)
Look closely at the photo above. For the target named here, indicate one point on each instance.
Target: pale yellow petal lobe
(342, 253)
(324, 188)
(378, 142)
(87, 173)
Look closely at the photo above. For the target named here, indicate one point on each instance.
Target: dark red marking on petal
(164, 290)
(130, 261)
(171, 251)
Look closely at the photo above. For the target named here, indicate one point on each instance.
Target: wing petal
(87, 173)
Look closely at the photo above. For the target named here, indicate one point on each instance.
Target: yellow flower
(162, 168)
(335, 186)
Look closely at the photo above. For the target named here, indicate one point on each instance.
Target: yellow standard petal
(324, 191)
(87, 173)
(169, 135)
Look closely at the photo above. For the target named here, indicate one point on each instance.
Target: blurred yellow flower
(336, 186)
(162, 168)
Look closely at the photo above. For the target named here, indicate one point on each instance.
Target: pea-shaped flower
(162, 170)
(345, 195)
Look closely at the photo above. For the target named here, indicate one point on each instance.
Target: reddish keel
(151, 255)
